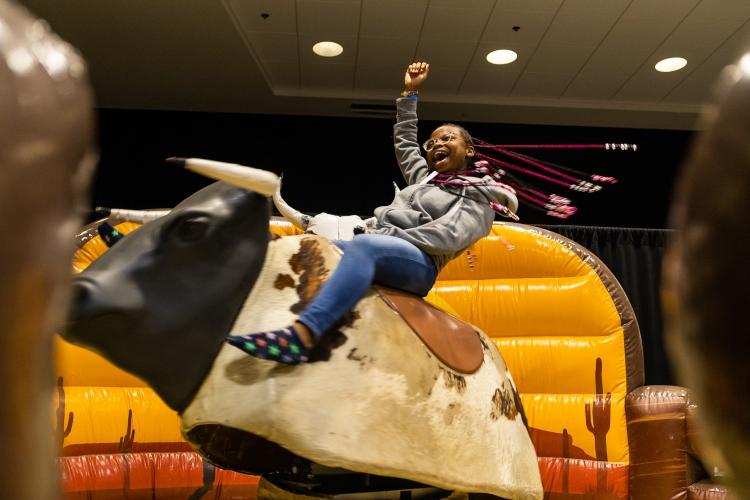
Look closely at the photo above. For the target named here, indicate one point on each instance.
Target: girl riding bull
(448, 205)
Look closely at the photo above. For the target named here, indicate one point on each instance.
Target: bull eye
(192, 229)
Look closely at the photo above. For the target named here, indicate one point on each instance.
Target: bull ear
(294, 216)
(253, 179)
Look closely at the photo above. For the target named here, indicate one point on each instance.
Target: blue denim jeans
(368, 259)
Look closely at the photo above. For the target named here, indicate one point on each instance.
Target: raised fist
(416, 73)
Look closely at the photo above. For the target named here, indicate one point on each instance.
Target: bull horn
(396, 189)
(252, 179)
(142, 216)
(297, 218)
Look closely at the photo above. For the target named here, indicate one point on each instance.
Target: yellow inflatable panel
(561, 365)
(562, 306)
(515, 251)
(282, 227)
(82, 367)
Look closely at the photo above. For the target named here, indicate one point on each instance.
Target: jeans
(368, 259)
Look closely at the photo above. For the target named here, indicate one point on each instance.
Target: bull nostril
(81, 299)
(81, 293)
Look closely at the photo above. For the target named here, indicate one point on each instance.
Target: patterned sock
(283, 346)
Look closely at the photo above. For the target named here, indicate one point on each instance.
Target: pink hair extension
(503, 210)
(523, 167)
(607, 145)
(594, 177)
(578, 184)
(602, 178)
(552, 204)
(534, 163)
(555, 169)
(559, 200)
(551, 209)
(510, 166)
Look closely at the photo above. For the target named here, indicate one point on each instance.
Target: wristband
(409, 93)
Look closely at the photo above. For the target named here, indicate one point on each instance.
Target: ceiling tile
(445, 53)
(282, 74)
(532, 26)
(723, 9)
(328, 18)
(274, 46)
(555, 58)
(465, 4)
(385, 51)
(546, 85)
(392, 18)
(380, 78)
(697, 89)
(282, 17)
(668, 11)
(699, 85)
(329, 77)
(700, 35)
(595, 85)
(694, 39)
(608, 8)
(581, 30)
(649, 86)
(495, 81)
(307, 56)
(628, 45)
(530, 5)
(445, 81)
(454, 23)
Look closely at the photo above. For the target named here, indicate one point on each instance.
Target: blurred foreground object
(707, 276)
(46, 122)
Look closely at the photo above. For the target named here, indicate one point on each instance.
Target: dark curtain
(634, 256)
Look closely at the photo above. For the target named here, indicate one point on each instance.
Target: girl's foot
(283, 346)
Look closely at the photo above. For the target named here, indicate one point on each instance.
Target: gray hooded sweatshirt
(442, 221)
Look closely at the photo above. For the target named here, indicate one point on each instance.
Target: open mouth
(440, 158)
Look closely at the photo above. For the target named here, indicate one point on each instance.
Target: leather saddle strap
(453, 341)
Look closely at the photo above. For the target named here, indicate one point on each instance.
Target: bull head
(160, 303)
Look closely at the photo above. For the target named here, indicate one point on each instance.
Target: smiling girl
(447, 206)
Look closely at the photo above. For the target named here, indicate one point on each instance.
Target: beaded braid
(554, 205)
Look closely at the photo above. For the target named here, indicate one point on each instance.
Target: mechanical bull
(376, 397)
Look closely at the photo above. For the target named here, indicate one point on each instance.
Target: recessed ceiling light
(745, 64)
(670, 64)
(503, 56)
(327, 49)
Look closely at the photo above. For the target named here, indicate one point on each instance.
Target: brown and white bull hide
(382, 404)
